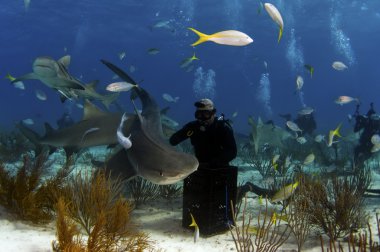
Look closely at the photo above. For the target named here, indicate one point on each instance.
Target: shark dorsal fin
(259, 122)
(164, 111)
(91, 111)
(65, 60)
(48, 129)
(92, 84)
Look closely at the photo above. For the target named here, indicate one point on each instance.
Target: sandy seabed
(161, 220)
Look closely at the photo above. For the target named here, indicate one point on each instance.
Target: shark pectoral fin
(119, 165)
(70, 151)
(65, 60)
(123, 75)
(29, 76)
(69, 84)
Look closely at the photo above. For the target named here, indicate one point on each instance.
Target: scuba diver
(209, 191)
(306, 122)
(369, 125)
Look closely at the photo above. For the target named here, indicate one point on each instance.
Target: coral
(361, 242)
(142, 190)
(12, 146)
(170, 192)
(336, 206)
(95, 204)
(26, 195)
(299, 218)
(269, 233)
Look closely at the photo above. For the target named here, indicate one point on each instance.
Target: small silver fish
(121, 55)
(299, 82)
(169, 98)
(120, 86)
(123, 140)
(41, 95)
(301, 140)
(339, 66)
(293, 126)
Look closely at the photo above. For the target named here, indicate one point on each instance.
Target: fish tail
(202, 37)
(108, 99)
(193, 223)
(336, 131)
(280, 34)
(10, 77)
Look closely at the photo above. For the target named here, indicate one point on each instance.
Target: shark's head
(45, 67)
(174, 169)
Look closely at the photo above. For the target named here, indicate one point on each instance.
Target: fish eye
(161, 174)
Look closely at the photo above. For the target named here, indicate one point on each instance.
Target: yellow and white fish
(186, 62)
(196, 228)
(333, 133)
(284, 193)
(276, 16)
(229, 37)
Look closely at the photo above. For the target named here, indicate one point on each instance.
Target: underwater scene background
(315, 33)
(311, 181)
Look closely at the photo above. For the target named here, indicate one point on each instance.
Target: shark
(96, 128)
(150, 156)
(52, 73)
(262, 133)
(55, 75)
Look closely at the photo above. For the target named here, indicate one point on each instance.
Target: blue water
(315, 33)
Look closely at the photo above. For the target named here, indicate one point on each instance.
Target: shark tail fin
(109, 98)
(32, 136)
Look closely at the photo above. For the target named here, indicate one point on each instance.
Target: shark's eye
(161, 174)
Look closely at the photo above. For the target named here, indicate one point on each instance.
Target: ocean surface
(258, 79)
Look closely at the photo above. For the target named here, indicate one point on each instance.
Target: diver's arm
(182, 134)
(229, 150)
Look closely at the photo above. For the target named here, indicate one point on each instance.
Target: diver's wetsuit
(370, 127)
(215, 145)
(209, 192)
(306, 123)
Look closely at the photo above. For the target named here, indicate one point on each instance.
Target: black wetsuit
(209, 192)
(215, 145)
(370, 127)
(306, 123)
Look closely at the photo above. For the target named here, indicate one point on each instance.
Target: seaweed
(96, 205)
(25, 194)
